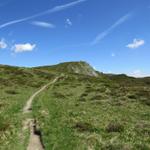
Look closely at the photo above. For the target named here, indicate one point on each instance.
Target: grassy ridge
(82, 112)
(16, 86)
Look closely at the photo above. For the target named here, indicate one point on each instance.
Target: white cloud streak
(65, 6)
(68, 22)
(136, 44)
(49, 11)
(102, 35)
(3, 44)
(138, 74)
(19, 48)
(43, 24)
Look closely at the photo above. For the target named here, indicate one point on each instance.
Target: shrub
(2, 104)
(97, 97)
(84, 127)
(13, 92)
(59, 95)
(114, 127)
(146, 101)
(84, 94)
(4, 124)
(82, 99)
(132, 96)
(142, 146)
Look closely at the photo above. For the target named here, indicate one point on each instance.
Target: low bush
(84, 127)
(59, 95)
(12, 92)
(97, 97)
(114, 127)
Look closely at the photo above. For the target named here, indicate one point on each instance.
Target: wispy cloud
(136, 44)
(65, 6)
(102, 35)
(68, 21)
(13, 22)
(113, 55)
(19, 48)
(43, 24)
(138, 73)
(49, 11)
(3, 44)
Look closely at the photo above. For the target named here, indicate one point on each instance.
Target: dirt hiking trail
(35, 142)
(28, 106)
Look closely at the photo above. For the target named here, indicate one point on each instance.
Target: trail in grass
(28, 106)
(35, 142)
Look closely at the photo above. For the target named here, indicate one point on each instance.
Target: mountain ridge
(78, 67)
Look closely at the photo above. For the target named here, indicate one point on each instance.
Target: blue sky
(113, 36)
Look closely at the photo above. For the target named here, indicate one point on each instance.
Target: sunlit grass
(92, 114)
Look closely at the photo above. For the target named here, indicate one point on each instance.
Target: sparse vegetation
(114, 127)
(84, 127)
(109, 122)
(78, 112)
(16, 86)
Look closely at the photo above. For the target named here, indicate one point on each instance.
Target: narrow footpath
(35, 142)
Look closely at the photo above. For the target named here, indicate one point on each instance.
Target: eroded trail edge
(35, 142)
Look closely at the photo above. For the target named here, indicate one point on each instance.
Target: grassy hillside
(82, 110)
(16, 86)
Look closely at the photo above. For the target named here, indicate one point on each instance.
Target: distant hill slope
(73, 67)
(27, 75)
(83, 68)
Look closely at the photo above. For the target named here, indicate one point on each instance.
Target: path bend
(35, 142)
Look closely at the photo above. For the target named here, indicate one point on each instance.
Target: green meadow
(78, 112)
(81, 112)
